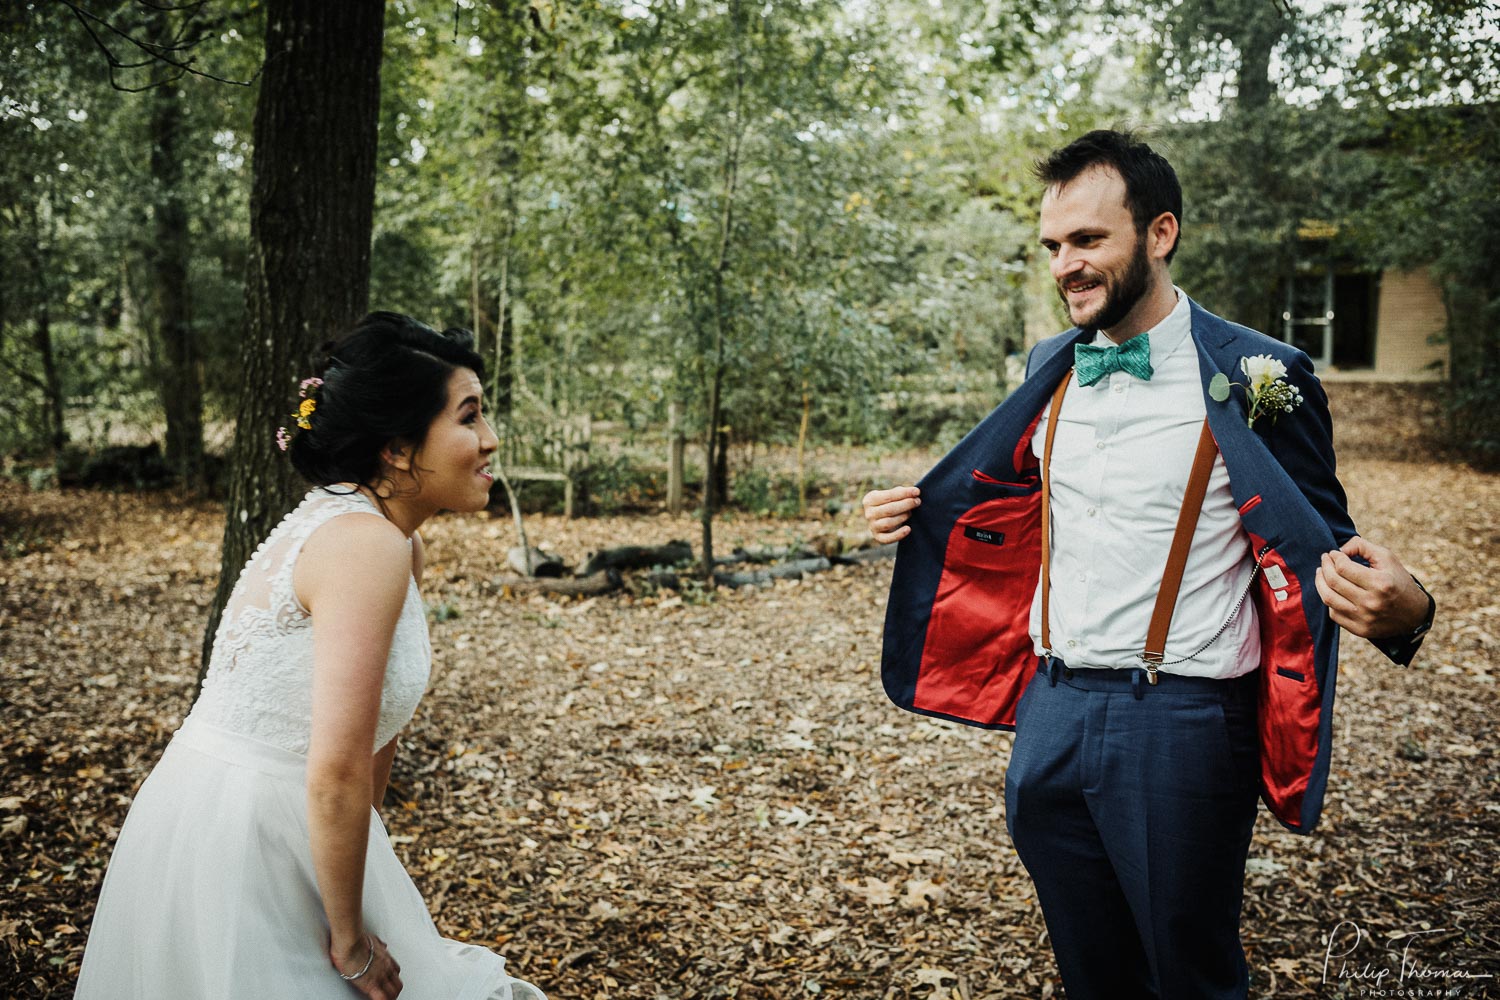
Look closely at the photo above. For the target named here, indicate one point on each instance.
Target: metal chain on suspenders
(1233, 614)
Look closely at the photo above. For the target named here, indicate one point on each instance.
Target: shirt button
(1098, 445)
(1093, 511)
(1118, 386)
(1072, 643)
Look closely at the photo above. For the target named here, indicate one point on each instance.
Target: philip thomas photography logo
(1357, 965)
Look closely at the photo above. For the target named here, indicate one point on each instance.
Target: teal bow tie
(1091, 363)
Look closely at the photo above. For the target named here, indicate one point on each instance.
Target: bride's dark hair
(386, 379)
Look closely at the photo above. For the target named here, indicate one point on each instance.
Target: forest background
(804, 224)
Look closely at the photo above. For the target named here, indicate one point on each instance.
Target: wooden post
(677, 453)
(802, 449)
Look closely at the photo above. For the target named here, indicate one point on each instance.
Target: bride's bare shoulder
(354, 549)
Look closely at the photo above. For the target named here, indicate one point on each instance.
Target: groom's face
(1098, 260)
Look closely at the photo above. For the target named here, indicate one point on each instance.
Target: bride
(252, 863)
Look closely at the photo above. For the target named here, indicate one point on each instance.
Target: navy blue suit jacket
(957, 633)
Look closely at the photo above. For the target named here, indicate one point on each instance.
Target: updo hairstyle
(387, 379)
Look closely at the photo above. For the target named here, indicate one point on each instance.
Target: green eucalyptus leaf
(1218, 387)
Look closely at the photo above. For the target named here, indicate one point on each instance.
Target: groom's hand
(1373, 601)
(887, 511)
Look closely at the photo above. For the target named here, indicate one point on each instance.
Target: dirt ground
(642, 796)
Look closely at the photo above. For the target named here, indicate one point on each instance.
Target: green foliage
(920, 419)
(443, 611)
(775, 494)
(635, 181)
(619, 483)
(76, 199)
(1388, 143)
(825, 209)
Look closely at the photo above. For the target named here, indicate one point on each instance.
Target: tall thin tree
(179, 381)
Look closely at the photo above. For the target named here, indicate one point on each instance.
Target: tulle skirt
(211, 894)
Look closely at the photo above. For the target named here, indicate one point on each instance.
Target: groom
(1170, 656)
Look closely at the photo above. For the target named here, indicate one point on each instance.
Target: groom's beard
(1121, 296)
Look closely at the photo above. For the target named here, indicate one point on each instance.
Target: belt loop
(1052, 668)
(1135, 683)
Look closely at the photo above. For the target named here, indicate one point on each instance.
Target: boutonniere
(1268, 392)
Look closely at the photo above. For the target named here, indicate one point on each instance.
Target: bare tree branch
(154, 52)
(172, 9)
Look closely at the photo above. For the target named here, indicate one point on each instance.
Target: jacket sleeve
(1303, 443)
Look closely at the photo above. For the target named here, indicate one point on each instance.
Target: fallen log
(764, 555)
(602, 582)
(860, 556)
(542, 563)
(793, 570)
(636, 557)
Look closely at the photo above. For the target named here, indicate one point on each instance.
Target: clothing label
(984, 535)
(1275, 577)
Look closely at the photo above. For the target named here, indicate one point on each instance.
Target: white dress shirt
(1120, 464)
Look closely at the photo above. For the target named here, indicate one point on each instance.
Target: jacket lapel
(1245, 454)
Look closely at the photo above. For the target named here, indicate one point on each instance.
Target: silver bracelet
(368, 962)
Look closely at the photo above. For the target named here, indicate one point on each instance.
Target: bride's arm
(387, 754)
(352, 577)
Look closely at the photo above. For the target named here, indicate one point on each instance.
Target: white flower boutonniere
(1268, 392)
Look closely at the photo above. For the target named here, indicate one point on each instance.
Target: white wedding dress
(211, 893)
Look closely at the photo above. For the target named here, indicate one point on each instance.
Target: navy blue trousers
(1131, 806)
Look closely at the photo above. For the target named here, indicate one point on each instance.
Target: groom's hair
(1151, 186)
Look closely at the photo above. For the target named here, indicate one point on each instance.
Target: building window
(1330, 316)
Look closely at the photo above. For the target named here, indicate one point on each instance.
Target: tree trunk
(312, 202)
(802, 448)
(57, 432)
(507, 364)
(716, 439)
(721, 466)
(675, 460)
(1263, 29)
(178, 378)
(53, 404)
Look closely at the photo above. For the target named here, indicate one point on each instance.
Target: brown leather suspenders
(1182, 539)
(1046, 583)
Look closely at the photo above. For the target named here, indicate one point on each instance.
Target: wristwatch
(1426, 625)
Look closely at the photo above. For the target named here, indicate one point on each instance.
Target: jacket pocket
(984, 486)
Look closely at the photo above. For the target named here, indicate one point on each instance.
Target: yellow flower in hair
(302, 416)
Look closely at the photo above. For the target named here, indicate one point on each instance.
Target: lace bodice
(259, 679)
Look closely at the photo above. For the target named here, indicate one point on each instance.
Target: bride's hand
(381, 980)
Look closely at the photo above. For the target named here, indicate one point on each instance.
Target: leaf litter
(650, 795)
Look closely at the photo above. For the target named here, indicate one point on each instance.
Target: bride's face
(451, 468)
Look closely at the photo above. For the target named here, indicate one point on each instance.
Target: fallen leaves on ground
(656, 795)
